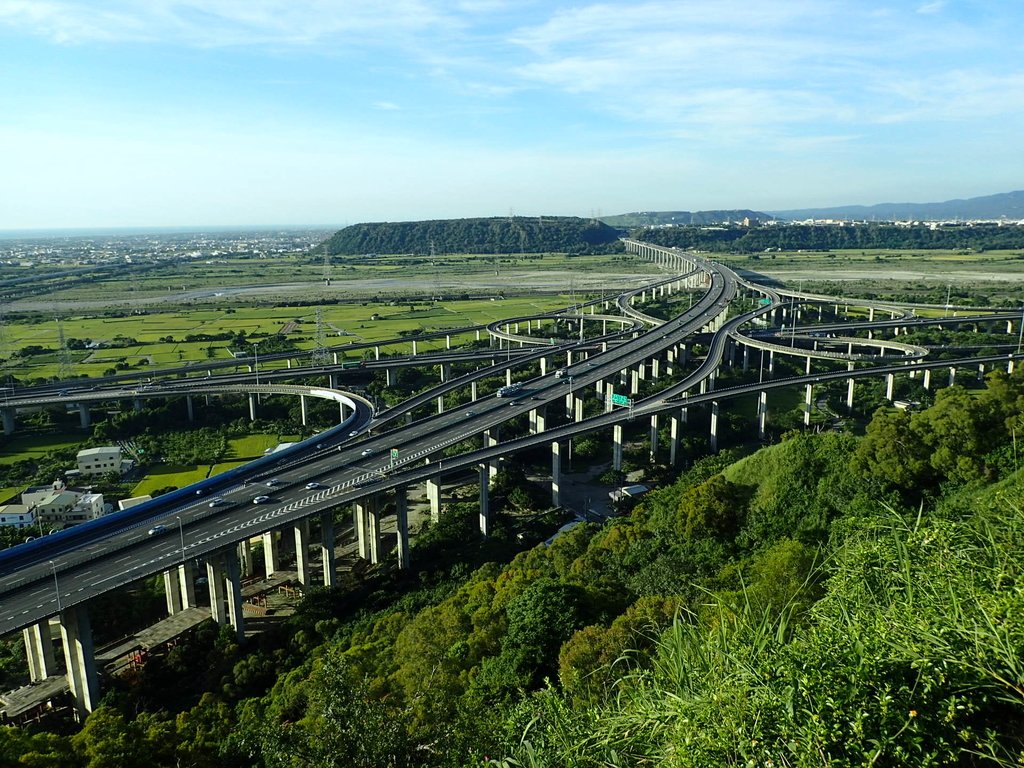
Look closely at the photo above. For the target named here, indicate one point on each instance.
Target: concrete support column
(215, 585)
(762, 415)
(270, 561)
(190, 408)
(578, 409)
(890, 385)
(172, 591)
(414, 348)
(808, 394)
(39, 651)
(304, 409)
(485, 499)
(927, 383)
(440, 403)
(402, 525)
(807, 368)
(389, 377)
(491, 440)
(360, 526)
(714, 425)
(617, 447)
(673, 445)
(327, 549)
(186, 586)
(448, 341)
(301, 533)
(655, 368)
(540, 418)
(233, 584)
(771, 362)
(746, 358)
(609, 392)
(654, 438)
(434, 496)
(8, 417)
(508, 377)
(556, 474)
(634, 382)
(376, 353)
(446, 371)
(245, 558)
(472, 391)
(373, 527)
(981, 371)
(952, 376)
(80, 658)
(849, 395)
(252, 407)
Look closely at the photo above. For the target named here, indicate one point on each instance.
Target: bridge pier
(927, 383)
(673, 444)
(270, 559)
(655, 368)
(952, 375)
(39, 651)
(252, 407)
(80, 658)
(491, 440)
(402, 524)
(714, 425)
(556, 474)
(446, 370)
(190, 409)
(301, 533)
(485, 499)
(414, 348)
(808, 394)
(634, 382)
(8, 417)
(327, 549)
(981, 371)
(508, 377)
(303, 409)
(617, 447)
(360, 526)
(172, 591)
(434, 496)
(654, 438)
(890, 385)
(538, 418)
(440, 404)
(373, 527)
(762, 415)
(389, 377)
(84, 417)
(472, 391)
(771, 362)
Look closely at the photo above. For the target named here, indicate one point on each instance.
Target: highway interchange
(356, 460)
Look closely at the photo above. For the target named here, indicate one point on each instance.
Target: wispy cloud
(386, 106)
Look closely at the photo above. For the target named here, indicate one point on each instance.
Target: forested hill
(828, 237)
(512, 234)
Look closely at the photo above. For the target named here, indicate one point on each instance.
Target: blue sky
(192, 112)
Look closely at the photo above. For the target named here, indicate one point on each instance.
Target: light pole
(56, 587)
(181, 535)
(256, 361)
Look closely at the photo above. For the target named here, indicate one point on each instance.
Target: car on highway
(353, 433)
(217, 501)
(313, 486)
(273, 482)
(156, 529)
(470, 413)
(367, 451)
(261, 500)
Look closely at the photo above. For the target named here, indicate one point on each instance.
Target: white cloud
(386, 105)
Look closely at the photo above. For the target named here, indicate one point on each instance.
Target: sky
(142, 113)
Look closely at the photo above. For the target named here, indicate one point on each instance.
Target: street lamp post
(56, 587)
(256, 361)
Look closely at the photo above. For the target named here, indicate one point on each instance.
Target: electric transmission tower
(63, 358)
(327, 267)
(320, 355)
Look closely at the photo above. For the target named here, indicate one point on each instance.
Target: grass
(18, 447)
(175, 475)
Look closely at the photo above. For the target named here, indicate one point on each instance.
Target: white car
(157, 529)
(261, 500)
(273, 483)
(367, 451)
(313, 486)
(217, 501)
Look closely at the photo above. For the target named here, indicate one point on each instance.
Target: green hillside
(513, 234)
(830, 600)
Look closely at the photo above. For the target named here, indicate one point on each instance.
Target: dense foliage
(794, 237)
(514, 234)
(830, 600)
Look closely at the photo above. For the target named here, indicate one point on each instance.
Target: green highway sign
(621, 400)
(394, 454)
(765, 302)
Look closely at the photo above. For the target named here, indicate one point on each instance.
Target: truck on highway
(512, 390)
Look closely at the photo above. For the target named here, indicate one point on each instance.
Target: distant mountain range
(661, 218)
(1008, 205)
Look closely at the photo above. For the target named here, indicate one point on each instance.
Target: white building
(17, 515)
(99, 461)
(53, 506)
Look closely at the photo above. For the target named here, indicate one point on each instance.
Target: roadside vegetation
(830, 600)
